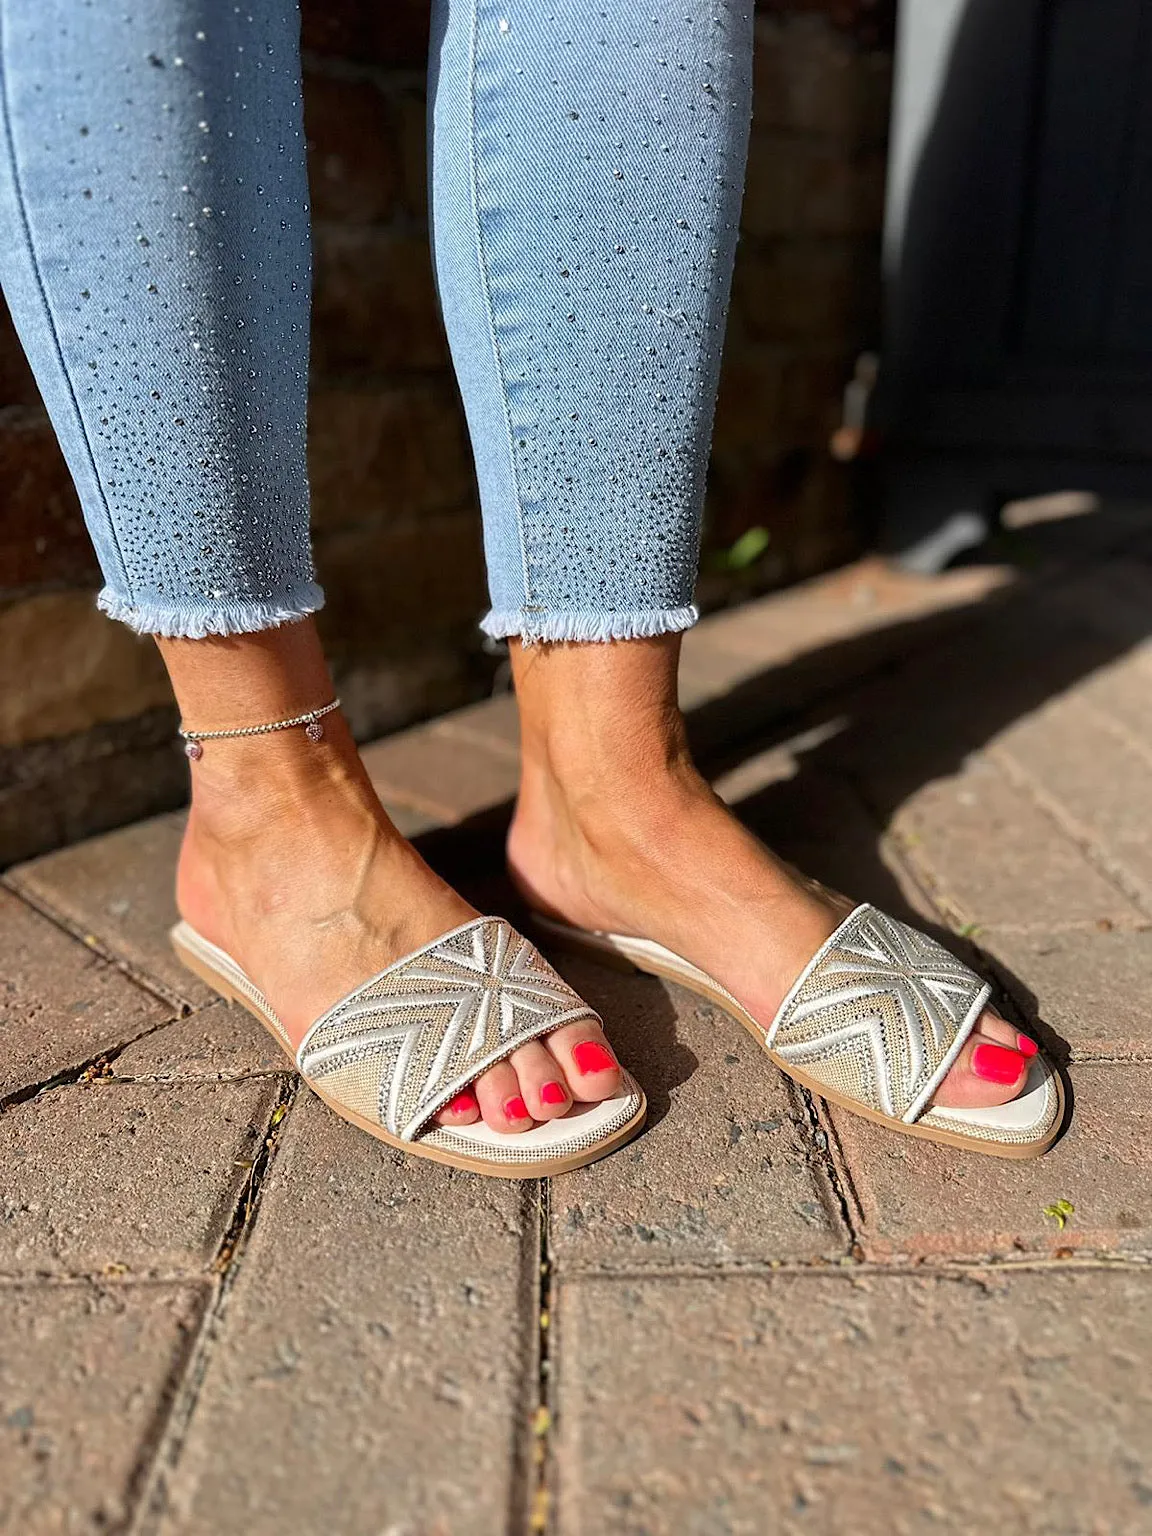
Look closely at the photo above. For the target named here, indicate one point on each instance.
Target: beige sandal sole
(608, 952)
(488, 1168)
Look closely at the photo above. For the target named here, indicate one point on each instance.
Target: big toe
(990, 1069)
(588, 1063)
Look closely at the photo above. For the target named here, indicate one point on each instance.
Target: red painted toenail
(997, 1063)
(462, 1104)
(553, 1093)
(1026, 1047)
(516, 1109)
(591, 1056)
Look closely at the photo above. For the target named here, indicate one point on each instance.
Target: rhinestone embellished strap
(880, 1014)
(400, 1047)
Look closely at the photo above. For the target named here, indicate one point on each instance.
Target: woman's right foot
(291, 866)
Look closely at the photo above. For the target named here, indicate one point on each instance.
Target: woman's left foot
(659, 856)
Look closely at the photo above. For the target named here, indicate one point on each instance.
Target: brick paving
(223, 1310)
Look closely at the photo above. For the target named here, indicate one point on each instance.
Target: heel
(204, 973)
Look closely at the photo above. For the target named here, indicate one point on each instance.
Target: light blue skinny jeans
(587, 165)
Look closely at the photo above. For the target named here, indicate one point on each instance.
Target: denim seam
(485, 287)
(26, 227)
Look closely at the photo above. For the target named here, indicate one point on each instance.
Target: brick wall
(85, 716)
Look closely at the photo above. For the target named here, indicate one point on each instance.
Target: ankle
(242, 790)
(261, 826)
(597, 714)
(578, 825)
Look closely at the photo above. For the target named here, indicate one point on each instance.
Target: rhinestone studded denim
(154, 251)
(587, 166)
(587, 170)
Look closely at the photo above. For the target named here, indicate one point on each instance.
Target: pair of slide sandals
(872, 1024)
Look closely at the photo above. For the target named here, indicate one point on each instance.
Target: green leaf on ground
(1059, 1211)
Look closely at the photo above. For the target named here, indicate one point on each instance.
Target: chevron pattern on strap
(880, 1014)
(405, 1043)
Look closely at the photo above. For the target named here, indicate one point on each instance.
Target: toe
(462, 1110)
(542, 1082)
(991, 1067)
(587, 1062)
(501, 1100)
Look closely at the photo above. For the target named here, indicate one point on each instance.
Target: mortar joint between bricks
(150, 984)
(151, 1504)
(822, 1151)
(540, 1481)
(93, 1070)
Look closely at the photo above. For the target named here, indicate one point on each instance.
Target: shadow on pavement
(869, 721)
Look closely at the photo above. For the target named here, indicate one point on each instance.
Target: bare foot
(615, 830)
(291, 865)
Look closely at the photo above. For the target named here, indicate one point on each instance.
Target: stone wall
(85, 715)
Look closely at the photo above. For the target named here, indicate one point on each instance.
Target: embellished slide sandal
(400, 1047)
(872, 1024)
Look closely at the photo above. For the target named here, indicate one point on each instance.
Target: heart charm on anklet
(313, 730)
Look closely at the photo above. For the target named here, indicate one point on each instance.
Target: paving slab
(85, 1373)
(923, 719)
(60, 1003)
(727, 1171)
(119, 889)
(917, 1200)
(409, 821)
(876, 1404)
(815, 819)
(126, 1177)
(1091, 986)
(992, 857)
(219, 1042)
(1123, 692)
(430, 769)
(708, 673)
(495, 722)
(779, 651)
(1095, 777)
(374, 1366)
(866, 595)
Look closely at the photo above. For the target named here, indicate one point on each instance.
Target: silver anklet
(310, 721)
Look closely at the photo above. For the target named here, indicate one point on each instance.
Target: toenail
(515, 1108)
(553, 1093)
(591, 1056)
(1026, 1047)
(462, 1104)
(997, 1063)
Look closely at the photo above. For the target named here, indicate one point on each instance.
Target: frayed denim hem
(533, 627)
(198, 623)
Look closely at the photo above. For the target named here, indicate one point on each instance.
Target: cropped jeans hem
(186, 623)
(534, 626)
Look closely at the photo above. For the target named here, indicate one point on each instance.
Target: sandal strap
(404, 1044)
(879, 1014)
